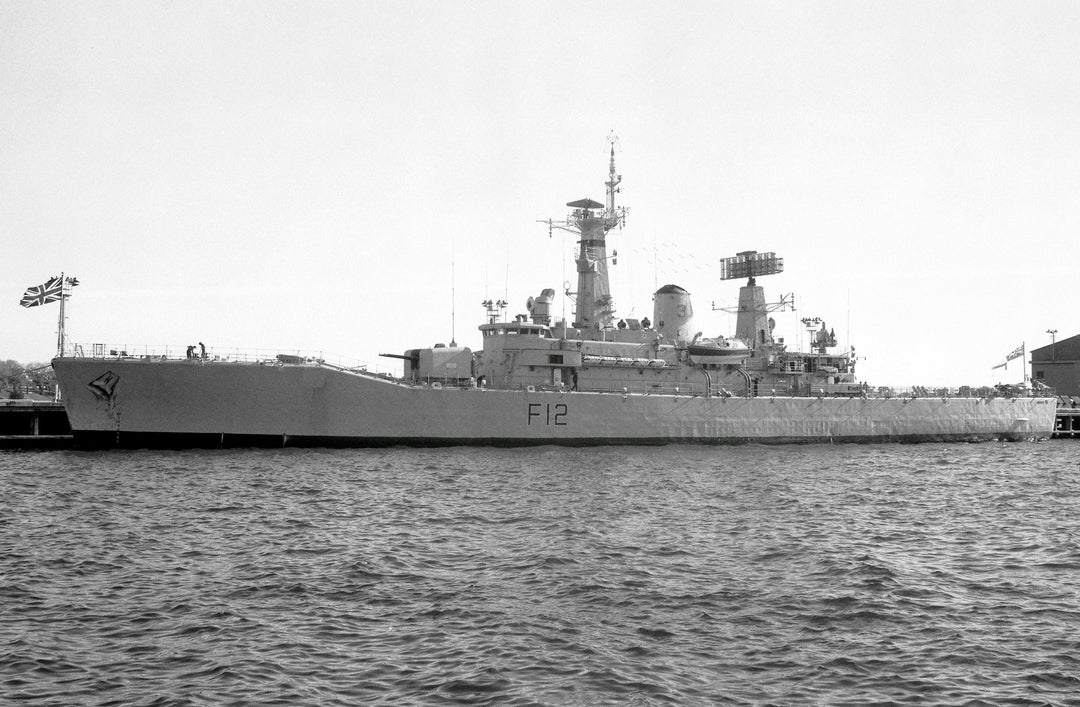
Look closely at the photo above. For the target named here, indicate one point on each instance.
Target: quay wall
(33, 424)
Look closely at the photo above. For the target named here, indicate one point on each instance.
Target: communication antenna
(786, 303)
(613, 140)
(655, 263)
(453, 294)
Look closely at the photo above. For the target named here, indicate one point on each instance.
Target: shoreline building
(1058, 366)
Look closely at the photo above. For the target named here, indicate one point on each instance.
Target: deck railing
(292, 356)
(964, 391)
(882, 392)
(225, 354)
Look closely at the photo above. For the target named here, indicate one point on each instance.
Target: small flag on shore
(1015, 353)
(51, 291)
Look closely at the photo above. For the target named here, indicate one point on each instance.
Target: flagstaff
(60, 325)
(1019, 352)
(52, 290)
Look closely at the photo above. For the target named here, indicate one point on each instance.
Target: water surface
(680, 575)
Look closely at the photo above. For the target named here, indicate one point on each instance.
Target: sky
(355, 178)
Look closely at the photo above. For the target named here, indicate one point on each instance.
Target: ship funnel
(672, 312)
(540, 307)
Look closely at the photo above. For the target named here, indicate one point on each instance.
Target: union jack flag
(51, 291)
(1015, 353)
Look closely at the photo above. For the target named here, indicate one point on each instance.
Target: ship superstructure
(597, 379)
(665, 355)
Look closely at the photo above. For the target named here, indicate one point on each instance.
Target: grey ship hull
(129, 402)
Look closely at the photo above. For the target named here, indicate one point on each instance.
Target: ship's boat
(717, 350)
(595, 379)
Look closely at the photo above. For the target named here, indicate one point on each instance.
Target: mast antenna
(453, 293)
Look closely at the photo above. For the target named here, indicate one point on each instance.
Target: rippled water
(924, 574)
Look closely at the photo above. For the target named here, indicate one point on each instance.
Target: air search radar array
(750, 264)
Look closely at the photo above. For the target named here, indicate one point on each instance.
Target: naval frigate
(535, 380)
